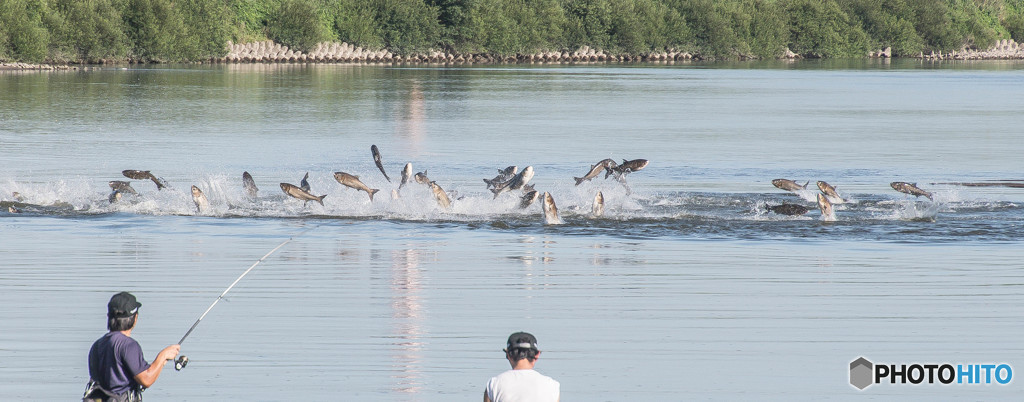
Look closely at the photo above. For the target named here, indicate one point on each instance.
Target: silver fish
(440, 196)
(114, 196)
(910, 188)
(550, 210)
(528, 199)
(297, 192)
(830, 191)
(789, 185)
(304, 183)
(202, 204)
(351, 181)
(421, 178)
(787, 209)
(250, 184)
(144, 175)
(827, 213)
(376, 159)
(122, 187)
(626, 167)
(598, 209)
(503, 176)
(406, 175)
(595, 170)
(515, 183)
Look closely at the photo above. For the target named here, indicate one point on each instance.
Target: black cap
(521, 340)
(122, 305)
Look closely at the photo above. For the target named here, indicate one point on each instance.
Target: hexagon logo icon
(860, 373)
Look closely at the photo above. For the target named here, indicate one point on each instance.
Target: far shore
(269, 52)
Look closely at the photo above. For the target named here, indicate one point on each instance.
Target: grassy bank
(91, 31)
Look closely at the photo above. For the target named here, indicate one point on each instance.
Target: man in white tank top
(522, 383)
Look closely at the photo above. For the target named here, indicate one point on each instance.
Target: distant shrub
(889, 23)
(21, 27)
(355, 22)
(641, 26)
(588, 22)
(407, 25)
(298, 24)
(207, 28)
(1014, 24)
(821, 29)
(156, 30)
(89, 30)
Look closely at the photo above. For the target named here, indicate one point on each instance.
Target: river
(685, 288)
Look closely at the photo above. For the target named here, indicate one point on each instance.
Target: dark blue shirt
(114, 361)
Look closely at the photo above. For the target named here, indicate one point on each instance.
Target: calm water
(686, 288)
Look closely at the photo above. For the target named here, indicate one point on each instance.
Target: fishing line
(182, 360)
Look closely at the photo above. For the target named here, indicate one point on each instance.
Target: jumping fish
(827, 213)
(626, 167)
(598, 209)
(421, 178)
(595, 170)
(121, 187)
(376, 159)
(550, 210)
(515, 183)
(503, 176)
(351, 181)
(910, 188)
(144, 175)
(406, 175)
(789, 185)
(787, 209)
(202, 204)
(297, 192)
(830, 191)
(528, 199)
(440, 196)
(250, 184)
(304, 183)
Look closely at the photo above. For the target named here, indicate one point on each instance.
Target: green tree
(208, 28)
(408, 25)
(22, 31)
(155, 29)
(888, 23)
(356, 22)
(821, 29)
(299, 24)
(90, 30)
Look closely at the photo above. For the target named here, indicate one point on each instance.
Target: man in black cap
(522, 383)
(117, 370)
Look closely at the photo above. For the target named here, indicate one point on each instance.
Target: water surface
(686, 287)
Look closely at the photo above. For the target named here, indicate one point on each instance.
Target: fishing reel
(180, 362)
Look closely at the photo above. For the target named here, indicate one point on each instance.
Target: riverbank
(14, 66)
(340, 52)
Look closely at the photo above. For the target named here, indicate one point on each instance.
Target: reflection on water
(407, 331)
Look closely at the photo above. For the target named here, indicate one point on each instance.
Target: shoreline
(268, 52)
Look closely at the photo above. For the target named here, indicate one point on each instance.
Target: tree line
(90, 31)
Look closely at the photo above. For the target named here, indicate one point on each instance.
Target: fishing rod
(182, 360)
